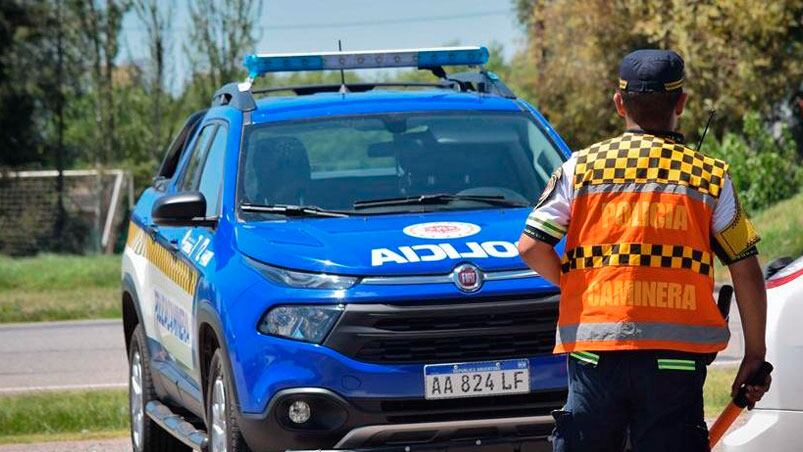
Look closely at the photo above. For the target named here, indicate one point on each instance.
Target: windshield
(336, 162)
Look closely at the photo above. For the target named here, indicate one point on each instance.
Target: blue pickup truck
(334, 267)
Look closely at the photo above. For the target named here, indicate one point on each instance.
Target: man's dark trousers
(655, 397)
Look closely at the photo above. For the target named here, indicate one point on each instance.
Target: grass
(716, 394)
(58, 272)
(781, 229)
(52, 416)
(55, 287)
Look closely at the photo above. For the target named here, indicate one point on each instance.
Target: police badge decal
(550, 186)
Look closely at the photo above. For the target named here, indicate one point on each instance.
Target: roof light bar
(260, 64)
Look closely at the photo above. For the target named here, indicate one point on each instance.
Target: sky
(316, 25)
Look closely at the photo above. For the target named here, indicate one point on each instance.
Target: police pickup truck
(335, 267)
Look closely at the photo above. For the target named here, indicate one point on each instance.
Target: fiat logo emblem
(467, 278)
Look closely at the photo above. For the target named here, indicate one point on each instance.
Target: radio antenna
(708, 123)
(343, 88)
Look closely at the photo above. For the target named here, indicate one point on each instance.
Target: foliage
(16, 105)
(781, 229)
(88, 110)
(741, 55)
(156, 16)
(221, 32)
(34, 35)
(764, 169)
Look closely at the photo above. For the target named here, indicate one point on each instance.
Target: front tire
(221, 420)
(146, 435)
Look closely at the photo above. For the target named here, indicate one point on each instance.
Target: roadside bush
(765, 169)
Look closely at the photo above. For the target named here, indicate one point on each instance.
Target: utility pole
(61, 214)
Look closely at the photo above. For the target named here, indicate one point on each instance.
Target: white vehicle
(776, 423)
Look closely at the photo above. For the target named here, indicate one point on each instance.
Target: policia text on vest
(643, 216)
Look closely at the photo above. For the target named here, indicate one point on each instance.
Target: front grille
(519, 405)
(454, 331)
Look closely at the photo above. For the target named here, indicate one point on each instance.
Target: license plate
(449, 381)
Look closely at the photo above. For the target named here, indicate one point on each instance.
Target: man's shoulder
(619, 142)
(629, 141)
(598, 146)
(720, 163)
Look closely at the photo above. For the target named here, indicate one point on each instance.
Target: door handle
(152, 230)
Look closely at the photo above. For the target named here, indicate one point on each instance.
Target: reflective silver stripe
(650, 187)
(360, 436)
(421, 279)
(585, 357)
(642, 331)
(512, 274)
(444, 279)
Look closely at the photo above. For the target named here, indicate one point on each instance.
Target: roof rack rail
(240, 95)
(485, 82)
(304, 90)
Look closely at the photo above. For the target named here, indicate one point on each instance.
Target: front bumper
(379, 350)
(505, 433)
(511, 422)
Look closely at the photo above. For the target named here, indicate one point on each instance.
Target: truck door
(174, 274)
(142, 245)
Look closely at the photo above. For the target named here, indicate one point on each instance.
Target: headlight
(300, 322)
(305, 280)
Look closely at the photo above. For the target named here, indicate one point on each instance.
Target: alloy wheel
(218, 440)
(136, 401)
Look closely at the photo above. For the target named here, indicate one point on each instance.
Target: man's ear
(620, 104)
(681, 104)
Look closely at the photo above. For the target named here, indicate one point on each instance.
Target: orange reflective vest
(638, 270)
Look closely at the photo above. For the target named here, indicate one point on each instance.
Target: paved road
(733, 354)
(90, 354)
(62, 355)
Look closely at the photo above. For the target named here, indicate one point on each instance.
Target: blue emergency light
(260, 64)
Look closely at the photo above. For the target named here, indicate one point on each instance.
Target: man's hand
(750, 364)
(751, 297)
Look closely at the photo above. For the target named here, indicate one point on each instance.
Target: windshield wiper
(292, 210)
(438, 198)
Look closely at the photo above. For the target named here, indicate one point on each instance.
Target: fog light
(299, 412)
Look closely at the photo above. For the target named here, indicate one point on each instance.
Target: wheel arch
(132, 315)
(211, 337)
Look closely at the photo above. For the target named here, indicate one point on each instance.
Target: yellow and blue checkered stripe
(173, 267)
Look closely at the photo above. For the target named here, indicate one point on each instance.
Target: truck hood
(398, 244)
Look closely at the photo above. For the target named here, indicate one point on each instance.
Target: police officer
(643, 215)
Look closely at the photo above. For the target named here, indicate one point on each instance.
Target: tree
(101, 24)
(19, 140)
(220, 32)
(741, 55)
(765, 168)
(156, 17)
